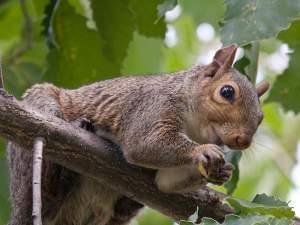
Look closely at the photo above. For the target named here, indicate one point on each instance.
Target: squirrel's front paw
(220, 175)
(87, 125)
(211, 164)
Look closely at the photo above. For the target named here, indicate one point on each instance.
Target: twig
(36, 181)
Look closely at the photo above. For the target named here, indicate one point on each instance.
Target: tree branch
(92, 156)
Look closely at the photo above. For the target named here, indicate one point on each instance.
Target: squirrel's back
(111, 104)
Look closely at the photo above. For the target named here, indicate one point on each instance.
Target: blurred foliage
(246, 21)
(233, 157)
(205, 12)
(261, 210)
(289, 82)
(248, 64)
(74, 42)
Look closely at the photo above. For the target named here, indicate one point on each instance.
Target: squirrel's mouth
(216, 138)
(234, 140)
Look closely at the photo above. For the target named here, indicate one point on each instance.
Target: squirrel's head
(228, 100)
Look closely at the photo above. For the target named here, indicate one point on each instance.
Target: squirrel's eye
(227, 92)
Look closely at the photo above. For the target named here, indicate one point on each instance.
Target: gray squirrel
(172, 123)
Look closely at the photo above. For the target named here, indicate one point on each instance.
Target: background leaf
(287, 85)
(115, 25)
(10, 11)
(78, 57)
(249, 220)
(233, 157)
(149, 16)
(271, 207)
(268, 200)
(135, 62)
(247, 20)
(210, 11)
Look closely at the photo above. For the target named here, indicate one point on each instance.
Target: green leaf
(242, 64)
(19, 77)
(248, 220)
(208, 221)
(271, 207)
(229, 220)
(247, 20)
(233, 157)
(135, 62)
(117, 21)
(248, 64)
(78, 56)
(48, 11)
(39, 6)
(291, 35)
(23, 70)
(79, 6)
(268, 200)
(287, 85)
(9, 34)
(149, 16)
(273, 118)
(264, 210)
(281, 221)
(115, 24)
(185, 222)
(210, 11)
(88, 55)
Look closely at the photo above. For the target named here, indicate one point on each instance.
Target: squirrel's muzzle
(239, 141)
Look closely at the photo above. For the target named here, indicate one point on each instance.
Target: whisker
(250, 153)
(262, 145)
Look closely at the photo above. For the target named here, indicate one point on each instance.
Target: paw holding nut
(208, 165)
(212, 165)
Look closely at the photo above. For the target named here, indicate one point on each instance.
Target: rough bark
(92, 156)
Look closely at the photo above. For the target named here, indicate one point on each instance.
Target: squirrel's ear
(224, 57)
(262, 88)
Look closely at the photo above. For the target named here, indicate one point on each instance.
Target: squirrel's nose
(243, 140)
